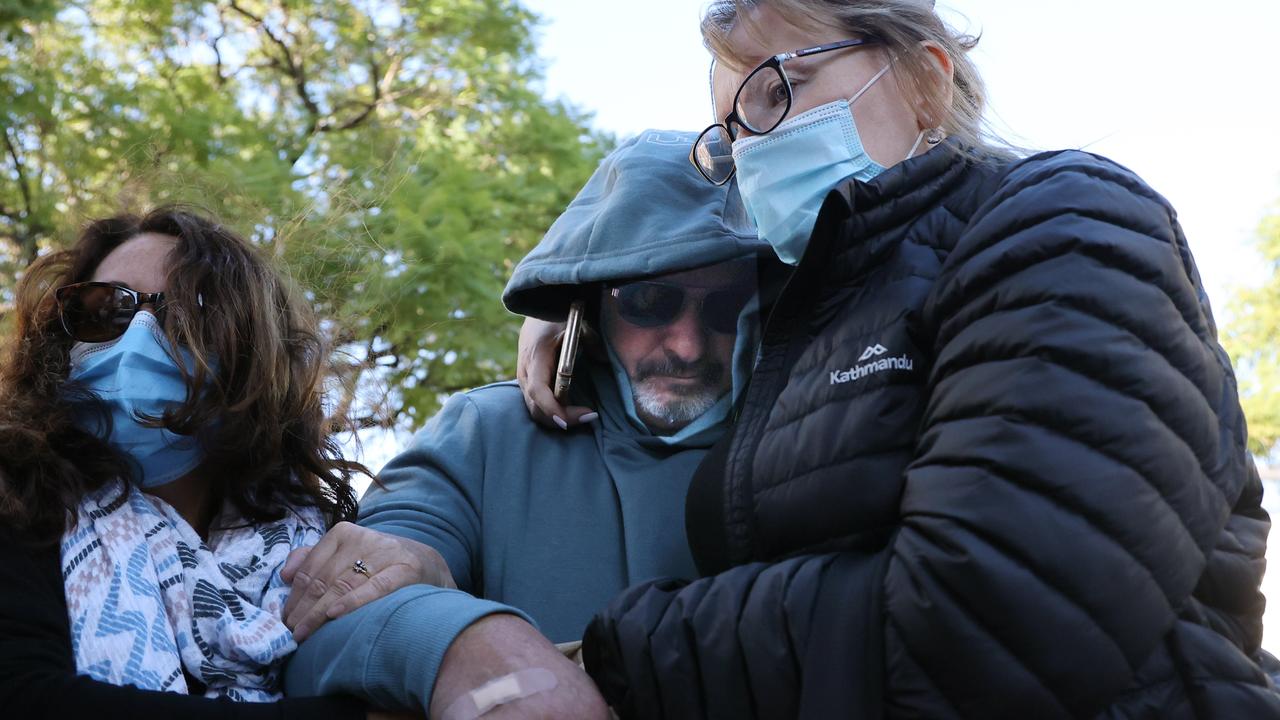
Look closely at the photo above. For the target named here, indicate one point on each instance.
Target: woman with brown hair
(991, 462)
(163, 447)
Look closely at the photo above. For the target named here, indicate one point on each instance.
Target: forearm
(536, 680)
(758, 641)
(388, 652)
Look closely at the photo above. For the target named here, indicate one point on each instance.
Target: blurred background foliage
(397, 156)
(1252, 337)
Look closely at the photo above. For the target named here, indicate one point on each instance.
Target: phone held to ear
(568, 351)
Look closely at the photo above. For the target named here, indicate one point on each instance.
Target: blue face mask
(785, 175)
(134, 375)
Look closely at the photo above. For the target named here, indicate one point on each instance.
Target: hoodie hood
(646, 211)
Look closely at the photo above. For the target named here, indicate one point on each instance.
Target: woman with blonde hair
(991, 462)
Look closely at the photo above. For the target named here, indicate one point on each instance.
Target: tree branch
(369, 107)
(217, 51)
(26, 241)
(380, 87)
(22, 175)
(370, 421)
(167, 69)
(293, 68)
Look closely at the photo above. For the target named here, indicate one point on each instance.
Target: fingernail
(560, 421)
(589, 417)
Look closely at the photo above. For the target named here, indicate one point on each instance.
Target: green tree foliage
(1253, 340)
(397, 155)
(13, 11)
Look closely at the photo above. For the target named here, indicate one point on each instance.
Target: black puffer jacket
(991, 465)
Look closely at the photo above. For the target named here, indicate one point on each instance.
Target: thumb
(294, 561)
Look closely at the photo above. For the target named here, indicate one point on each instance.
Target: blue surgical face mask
(784, 176)
(136, 375)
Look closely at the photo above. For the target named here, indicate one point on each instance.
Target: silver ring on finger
(359, 568)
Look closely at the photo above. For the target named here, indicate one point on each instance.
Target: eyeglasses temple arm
(821, 48)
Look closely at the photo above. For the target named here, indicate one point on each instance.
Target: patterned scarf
(149, 600)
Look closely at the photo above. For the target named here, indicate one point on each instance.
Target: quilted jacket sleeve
(1081, 450)
(1079, 456)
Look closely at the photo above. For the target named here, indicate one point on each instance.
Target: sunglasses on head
(99, 311)
(650, 304)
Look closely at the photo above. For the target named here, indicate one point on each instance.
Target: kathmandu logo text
(857, 372)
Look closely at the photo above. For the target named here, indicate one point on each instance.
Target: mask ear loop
(870, 82)
(919, 138)
(933, 136)
(867, 87)
(915, 146)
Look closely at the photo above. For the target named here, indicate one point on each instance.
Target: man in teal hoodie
(535, 525)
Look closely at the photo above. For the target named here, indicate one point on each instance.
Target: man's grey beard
(675, 413)
(686, 407)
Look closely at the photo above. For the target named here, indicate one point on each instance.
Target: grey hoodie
(547, 524)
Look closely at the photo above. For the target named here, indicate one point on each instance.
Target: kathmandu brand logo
(857, 372)
(873, 351)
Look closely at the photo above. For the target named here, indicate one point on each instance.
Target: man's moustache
(706, 372)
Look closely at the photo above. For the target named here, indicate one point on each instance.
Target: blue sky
(1182, 92)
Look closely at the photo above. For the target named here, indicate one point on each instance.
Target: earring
(934, 136)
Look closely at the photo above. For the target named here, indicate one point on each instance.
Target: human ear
(937, 87)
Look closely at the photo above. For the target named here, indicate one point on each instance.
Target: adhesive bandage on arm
(500, 691)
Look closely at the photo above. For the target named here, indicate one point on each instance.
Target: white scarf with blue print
(148, 599)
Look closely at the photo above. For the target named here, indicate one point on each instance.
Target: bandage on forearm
(500, 691)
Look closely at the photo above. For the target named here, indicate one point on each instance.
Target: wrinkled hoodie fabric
(542, 523)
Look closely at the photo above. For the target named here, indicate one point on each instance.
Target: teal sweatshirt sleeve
(389, 651)
(432, 491)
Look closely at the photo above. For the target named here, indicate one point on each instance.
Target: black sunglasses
(762, 102)
(99, 311)
(650, 304)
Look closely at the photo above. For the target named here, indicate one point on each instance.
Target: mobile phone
(568, 351)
